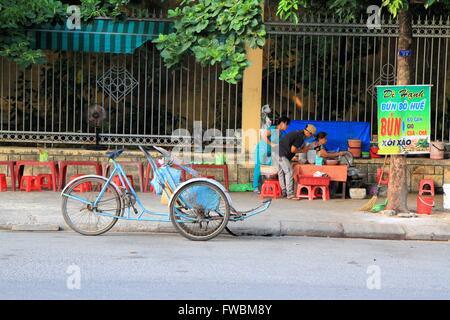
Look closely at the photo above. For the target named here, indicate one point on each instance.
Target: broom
(369, 205)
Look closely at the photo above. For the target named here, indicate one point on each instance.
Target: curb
(374, 231)
(35, 227)
(287, 228)
(316, 229)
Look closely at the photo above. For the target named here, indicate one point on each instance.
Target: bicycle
(199, 208)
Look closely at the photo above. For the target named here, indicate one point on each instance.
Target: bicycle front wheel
(199, 210)
(79, 211)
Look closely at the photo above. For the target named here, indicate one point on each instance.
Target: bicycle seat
(114, 154)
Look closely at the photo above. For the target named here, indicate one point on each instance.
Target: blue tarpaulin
(203, 197)
(338, 132)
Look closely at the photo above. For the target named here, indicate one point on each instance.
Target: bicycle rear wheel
(79, 212)
(199, 210)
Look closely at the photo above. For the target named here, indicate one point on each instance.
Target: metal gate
(327, 69)
(321, 69)
(144, 101)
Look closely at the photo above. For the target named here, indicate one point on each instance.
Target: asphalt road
(65, 265)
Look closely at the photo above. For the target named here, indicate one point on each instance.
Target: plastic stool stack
(429, 183)
(3, 185)
(28, 183)
(384, 176)
(117, 181)
(83, 187)
(44, 180)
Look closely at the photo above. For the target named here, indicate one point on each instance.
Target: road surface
(65, 265)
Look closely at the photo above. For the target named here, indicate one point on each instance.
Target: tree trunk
(398, 188)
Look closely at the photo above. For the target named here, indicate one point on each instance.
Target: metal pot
(347, 159)
(302, 157)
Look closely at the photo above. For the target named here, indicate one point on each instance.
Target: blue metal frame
(145, 214)
(130, 215)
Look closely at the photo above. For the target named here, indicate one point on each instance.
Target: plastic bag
(171, 175)
(241, 187)
(202, 197)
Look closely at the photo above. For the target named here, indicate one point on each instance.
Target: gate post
(251, 99)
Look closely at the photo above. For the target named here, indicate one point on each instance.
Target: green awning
(100, 35)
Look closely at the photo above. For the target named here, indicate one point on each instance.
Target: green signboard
(404, 119)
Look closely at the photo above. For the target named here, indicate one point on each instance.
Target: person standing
(290, 144)
(263, 152)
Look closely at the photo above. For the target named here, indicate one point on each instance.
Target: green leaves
(394, 6)
(214, 32)
(17, 15)
(287, 11)
(429, 3)
(91, 9)
(102, 8)
(346, 9)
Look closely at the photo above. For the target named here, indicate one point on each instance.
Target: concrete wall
(237, 174)
(418, 168)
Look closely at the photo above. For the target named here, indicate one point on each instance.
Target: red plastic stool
(271, 188)
(117, 181)
(3, 185)
(84, 187)
(312, 185)
(324, 192)
(44, 180)
(380, 174)
(426, 182)
(27, 183)
(309, 192)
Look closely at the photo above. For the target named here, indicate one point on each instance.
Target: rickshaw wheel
(199, 210)
(81, 217)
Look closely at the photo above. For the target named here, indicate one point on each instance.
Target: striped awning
(100, 35)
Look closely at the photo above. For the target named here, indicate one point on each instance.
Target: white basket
(269, 171)
(358, 193)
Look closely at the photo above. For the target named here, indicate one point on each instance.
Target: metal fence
(327, 69)
(321, 69)
(144, 101)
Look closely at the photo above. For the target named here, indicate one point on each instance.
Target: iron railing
(143, 100)
(321, 69)
(327, 69)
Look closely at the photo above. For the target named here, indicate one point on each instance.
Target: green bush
(215, 32)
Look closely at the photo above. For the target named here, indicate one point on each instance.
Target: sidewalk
(334, 218)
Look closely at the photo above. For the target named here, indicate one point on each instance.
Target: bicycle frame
(143, 213)
(129, 213)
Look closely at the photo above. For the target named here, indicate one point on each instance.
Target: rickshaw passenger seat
(114, 154)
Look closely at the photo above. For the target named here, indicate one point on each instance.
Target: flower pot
(354, 146)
